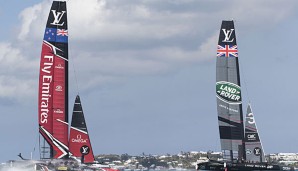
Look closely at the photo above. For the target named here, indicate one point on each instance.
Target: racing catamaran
(58, 149)
(241, 148)
(53, 95)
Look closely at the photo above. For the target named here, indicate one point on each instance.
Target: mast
(53, 85)
(253, 145)
(79, 140)
(228, 91)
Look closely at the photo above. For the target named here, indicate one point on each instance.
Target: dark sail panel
(79, 140)
(228, 91)
(53, 83)
(253, 145)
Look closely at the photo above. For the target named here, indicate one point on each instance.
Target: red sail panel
(45, 102)
(53, 125)
(60, 127)
(79, 141)
(80, 145)
(53, 82)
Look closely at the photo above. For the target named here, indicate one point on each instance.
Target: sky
(145, 71)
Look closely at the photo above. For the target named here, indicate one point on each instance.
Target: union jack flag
(62, 32)
(227, 51)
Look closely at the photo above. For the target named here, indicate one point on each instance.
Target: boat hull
(241, 166)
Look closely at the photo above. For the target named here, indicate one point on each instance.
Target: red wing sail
(79, 141)
(53, 83)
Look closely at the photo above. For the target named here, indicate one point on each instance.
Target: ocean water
(30, 165)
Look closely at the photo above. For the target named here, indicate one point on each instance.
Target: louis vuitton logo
(85, 150)
(57, 17)
(228, 34)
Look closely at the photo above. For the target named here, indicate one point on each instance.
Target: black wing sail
(228, 91)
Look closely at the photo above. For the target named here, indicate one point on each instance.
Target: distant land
(182, 160)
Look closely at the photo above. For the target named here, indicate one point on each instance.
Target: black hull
(240, 166)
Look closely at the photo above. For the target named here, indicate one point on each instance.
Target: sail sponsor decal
(59, 111)
(228, 35)
(248, 151)
(79, 139)
(257, 151)
(228, 108)
(85, 150)
(59, 66)
(57, 18)
(58, 88)
(46, 78)
(252, 137)
(228, 92)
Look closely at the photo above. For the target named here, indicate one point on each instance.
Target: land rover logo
(228, 92)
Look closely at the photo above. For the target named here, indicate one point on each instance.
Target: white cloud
(16, 78)
(103, 20)
(262, 14)
(12, 59)
(109, 22)
(33, 21)
(111, 40)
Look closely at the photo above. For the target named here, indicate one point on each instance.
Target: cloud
(29, 16)
(107, 66)
(111, 40)
(17, 79)
(135, 22)
(259, 12)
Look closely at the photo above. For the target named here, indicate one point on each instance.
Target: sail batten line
(78, 111)
(79, 130)
(62, 121)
